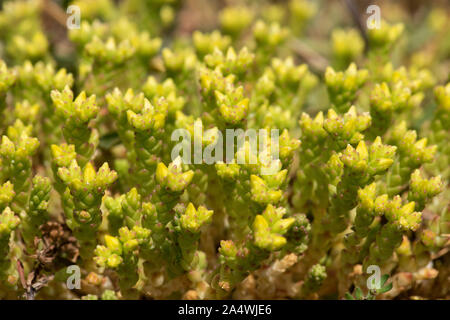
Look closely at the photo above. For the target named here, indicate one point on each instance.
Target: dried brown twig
(56, 249)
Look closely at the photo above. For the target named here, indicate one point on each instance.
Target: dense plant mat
(102, 198)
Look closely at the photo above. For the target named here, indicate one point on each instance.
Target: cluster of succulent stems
(91, 150)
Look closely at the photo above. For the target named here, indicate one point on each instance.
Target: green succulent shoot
(269, 228)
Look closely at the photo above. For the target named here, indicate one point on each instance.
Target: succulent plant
(257, 153)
